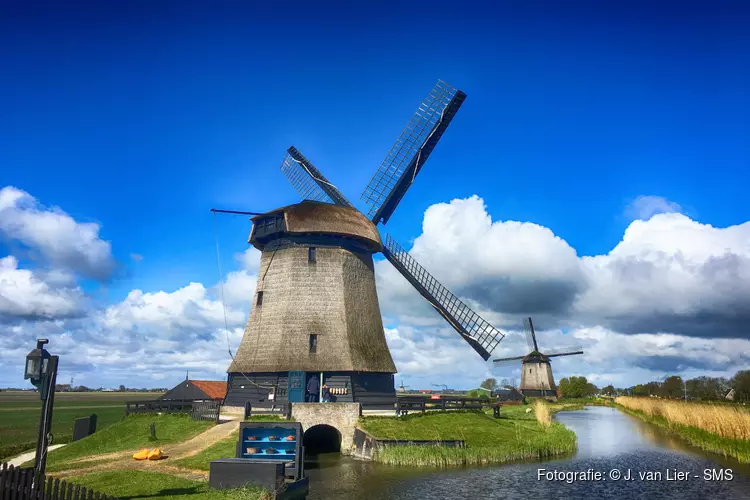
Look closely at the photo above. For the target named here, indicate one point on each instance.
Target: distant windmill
(536, 377)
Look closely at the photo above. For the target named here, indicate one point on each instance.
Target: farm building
(508, 395)
(197, 390)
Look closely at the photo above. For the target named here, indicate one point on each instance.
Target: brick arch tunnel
(321, 438)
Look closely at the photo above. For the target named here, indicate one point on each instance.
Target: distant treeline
(736, 388)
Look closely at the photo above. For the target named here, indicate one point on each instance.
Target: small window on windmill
(313, 343)
(311, 255)
(259, 300)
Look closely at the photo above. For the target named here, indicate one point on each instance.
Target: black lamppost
(41, 369)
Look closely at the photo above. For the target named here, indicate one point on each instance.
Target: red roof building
(191, 390)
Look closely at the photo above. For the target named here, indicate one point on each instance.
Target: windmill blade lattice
(411, 150)
(481, 335)
(310, 182)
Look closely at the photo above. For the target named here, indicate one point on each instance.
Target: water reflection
(607, 439)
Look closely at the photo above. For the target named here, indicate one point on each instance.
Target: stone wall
(341, 416)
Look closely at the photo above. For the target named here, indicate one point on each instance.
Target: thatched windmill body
(316, 311)
(536, 372)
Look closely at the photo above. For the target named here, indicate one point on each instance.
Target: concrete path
(22, 459)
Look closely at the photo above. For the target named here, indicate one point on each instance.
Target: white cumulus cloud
(24, 295)
(61, 240)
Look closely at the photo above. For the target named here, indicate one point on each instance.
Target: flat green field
(20, 411)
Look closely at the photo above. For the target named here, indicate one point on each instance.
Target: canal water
(610, 443)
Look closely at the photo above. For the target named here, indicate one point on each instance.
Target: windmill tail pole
(236, 212)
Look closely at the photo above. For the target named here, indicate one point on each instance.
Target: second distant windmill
(536, 376)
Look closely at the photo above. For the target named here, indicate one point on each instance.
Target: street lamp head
(37, 363)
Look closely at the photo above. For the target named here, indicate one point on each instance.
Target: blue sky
(142, 116)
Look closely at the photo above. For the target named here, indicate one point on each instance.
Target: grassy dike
(515, 436)
(720, 429)
(132, 433)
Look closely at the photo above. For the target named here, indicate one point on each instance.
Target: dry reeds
(731, 422)
(543, 413)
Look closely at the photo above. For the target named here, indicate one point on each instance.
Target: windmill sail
(507, 361)
(568, 351)
(411, 150)
(386, 189)
(309, 182)
(481, 335)
(529, 335)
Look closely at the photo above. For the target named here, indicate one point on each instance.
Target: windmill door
(296, 392)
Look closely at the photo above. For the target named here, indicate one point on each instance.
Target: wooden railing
(405, 404)
(198, 410)
(24, 484)
(282, 410)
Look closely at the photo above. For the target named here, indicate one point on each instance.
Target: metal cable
(223, 304)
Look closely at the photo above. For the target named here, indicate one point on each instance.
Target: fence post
(153, 430)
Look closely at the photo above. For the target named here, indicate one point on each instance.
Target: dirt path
(173, 452)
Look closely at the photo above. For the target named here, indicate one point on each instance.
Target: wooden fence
(198, 410)
(24, 484)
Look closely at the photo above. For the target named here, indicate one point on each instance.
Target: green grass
(19, 415)
(37, 405)
(516, 436)
(131, 433)
(738, 449)
(226, 448)
(19, 428)
(132, 484)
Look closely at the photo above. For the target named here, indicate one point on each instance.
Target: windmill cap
(535, 357)
(318, 219)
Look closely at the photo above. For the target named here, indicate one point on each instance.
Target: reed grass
(730, 422)
(542, 413)
(720, 429)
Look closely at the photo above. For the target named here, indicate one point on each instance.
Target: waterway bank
(608, 439)
(723, 430)
(516, 435)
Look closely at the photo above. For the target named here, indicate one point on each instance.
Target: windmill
(536, 376)
(316, 310)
